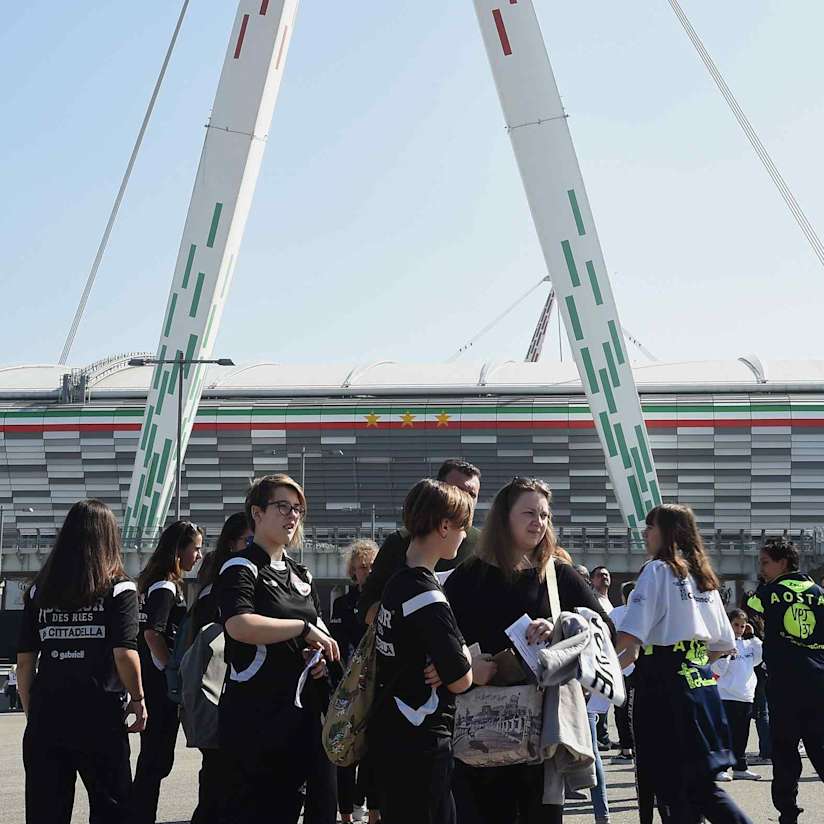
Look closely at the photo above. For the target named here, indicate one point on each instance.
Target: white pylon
(563, 220)
(221, 199)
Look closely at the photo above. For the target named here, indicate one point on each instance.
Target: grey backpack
(203, 671)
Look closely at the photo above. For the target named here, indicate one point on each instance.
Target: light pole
(304, 455)
(180, 361)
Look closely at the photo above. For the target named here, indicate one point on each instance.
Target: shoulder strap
(552, 589)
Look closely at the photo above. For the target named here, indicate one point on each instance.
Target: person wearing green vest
(792, 605)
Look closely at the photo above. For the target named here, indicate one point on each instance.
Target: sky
(389, 221)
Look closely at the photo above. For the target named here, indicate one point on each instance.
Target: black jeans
(796, 714)
(157, 747)
(502, 795)
(416, 786)
(739, 714)
(215, 782)
(52, 769)
(622, 716)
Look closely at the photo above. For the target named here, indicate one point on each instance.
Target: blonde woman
(506, 579)
(356, 784)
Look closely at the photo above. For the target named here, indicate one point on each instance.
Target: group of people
(99, 657)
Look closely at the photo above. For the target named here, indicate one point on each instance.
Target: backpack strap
(552, 589)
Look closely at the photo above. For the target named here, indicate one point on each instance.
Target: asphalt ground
(179, 792)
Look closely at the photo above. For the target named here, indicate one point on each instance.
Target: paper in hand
(312, 662)
(516, 633)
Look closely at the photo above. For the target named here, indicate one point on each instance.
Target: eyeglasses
(285, 508)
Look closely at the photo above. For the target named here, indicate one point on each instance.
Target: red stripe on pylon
(243, 25)
(504, 37)
(264, 6)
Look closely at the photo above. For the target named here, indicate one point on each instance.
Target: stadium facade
(741, 442)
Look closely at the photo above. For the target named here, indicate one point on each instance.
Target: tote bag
(499, 726)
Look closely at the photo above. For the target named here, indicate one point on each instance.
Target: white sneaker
(723, 776)
(745, 775)
(357, 813)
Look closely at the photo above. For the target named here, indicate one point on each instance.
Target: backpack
(344, 728)
(172, 670)
(202, 673)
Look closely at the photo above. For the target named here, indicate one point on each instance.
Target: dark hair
(85, 559)
(232, 530)
(595, 569)
(430, 502)
(164, 565)
(737, 613)
(782, 548)
(458, 465)
(682, 548)
(626, 589)
(494, 545)
(259, 495)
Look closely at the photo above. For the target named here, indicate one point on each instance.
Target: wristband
(136, 700)
(307, 628)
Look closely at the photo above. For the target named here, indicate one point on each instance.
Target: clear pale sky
(389, 220)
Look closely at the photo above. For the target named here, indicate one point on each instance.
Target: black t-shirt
(485, 603)
(346, 624)
(162, 608)
(76, 668)
(392, 557)
(258, 700)
(415, 627)
(793, 610)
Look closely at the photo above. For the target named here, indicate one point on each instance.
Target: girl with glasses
(271, 614)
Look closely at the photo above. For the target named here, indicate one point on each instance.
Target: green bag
(344, 728)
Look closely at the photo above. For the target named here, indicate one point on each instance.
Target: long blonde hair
(495, 543)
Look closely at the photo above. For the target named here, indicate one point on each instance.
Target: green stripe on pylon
(576, 212)
(622, 445)
(196, 296)
(146, 427)
(570, 262)
(613, 370)
(636, 497)
(616, 341)
(141, 521)
(153, 510)
(139, 491)
(164, 457)
(589, 369)
(632, 521)
(159, 367)
(573, 318)
(151, 477)
(188, 270)
(170, 317)
(656, 494)
(150, 444)
(593, 282)
(173, 374)
(642, 445)
(190, 353)
(602, 373)
(639, 469)
(213, 228)
(162, 393)
(608, 436)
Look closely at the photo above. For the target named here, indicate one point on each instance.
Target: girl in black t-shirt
(422, 663)
(271, 615)
(489, 592)
(80, 620)
(162, 608)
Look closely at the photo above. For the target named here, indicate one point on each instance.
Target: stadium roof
(113, 378)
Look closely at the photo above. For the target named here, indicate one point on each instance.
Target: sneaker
(357, 813)
(723, 776)
(745, 775)
(605, 746)
(624, 755)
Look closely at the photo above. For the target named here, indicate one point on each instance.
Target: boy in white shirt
(736, 685)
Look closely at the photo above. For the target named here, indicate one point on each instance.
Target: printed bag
(344, 729)
(499, 726)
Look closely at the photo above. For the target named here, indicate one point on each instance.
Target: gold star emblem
(443, 419)
(372, 419)
(407, 419)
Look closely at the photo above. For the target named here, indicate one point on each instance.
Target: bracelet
(307, 627)
(136, 700)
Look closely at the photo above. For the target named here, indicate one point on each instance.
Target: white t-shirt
(737, 679)
(605, 603)
(12, 678)
(617, 616)
(664, 609)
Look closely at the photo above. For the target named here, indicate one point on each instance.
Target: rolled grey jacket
(565, 736)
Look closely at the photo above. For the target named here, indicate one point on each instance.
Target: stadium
(740, 441)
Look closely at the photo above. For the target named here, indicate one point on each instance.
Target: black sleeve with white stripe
(238, 578)
(123, 627)
(158, 606)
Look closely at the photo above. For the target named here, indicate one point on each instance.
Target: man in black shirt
(392, 555)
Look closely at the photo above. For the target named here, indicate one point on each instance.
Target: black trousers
(215, 780)
(157, 747)
(52, 769)
(796, 714)
(502, 795)
(416, 786)
(622, 716)
(739, 715)
(321, 803)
